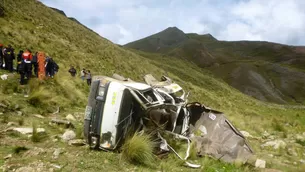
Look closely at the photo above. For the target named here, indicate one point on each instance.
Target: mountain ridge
(216, 55)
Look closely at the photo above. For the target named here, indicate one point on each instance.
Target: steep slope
(28, 23)
(255, 68)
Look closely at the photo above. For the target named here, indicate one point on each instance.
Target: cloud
(123, 21)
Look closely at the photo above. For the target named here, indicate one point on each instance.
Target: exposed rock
(29, 130)
(39, 116)
(19, 113)
(276, 144)
(302, 161)
(11, 124)
(56, 153)
(70, 117)
(259, 163)
(8, 156)
(25, 169)
(17, 107)
(300, 137)
(77, 142)
(292, 152)
(295, 163)
(246, 134)
(68, 135)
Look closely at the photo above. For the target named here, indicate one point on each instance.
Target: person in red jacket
(27, 58)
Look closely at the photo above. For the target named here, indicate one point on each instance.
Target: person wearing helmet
(9, 57)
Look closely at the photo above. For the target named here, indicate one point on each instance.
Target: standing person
(35, 64)
(49, 67)
(19, 60)
(55, 67)
(1, 56)
(83, 73)
(72, 71)
(9, 57)
(88, 77)
(27, 58)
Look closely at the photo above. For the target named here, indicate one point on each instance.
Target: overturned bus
(117, 105)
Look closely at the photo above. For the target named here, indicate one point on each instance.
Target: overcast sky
(123, 21)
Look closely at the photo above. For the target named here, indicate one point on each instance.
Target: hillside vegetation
(30, 24)
(264, 70)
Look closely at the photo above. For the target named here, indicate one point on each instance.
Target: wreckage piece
(164, 146)
(215, 136)
(168, 86)
(175, 95)
(113, 106)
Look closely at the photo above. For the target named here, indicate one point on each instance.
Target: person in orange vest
(27, 58)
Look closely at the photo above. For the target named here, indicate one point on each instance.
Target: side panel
(111, 114)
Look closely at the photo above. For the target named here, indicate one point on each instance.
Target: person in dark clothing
(56, 67)
(35, 64)
(1, 56)
(27, 58)
(88, 77)
(9, 57)
(72, 71)
(19, 60)
(49, 67)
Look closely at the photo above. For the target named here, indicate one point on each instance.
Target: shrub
(138, 149)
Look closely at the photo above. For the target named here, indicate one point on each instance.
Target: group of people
(26, 62)
(84, 74)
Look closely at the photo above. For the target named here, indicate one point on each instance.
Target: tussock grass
(37, 137)
(138, 149)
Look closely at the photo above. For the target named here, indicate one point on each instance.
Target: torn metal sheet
(215, 136)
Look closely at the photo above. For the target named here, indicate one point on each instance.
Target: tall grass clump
(138, 149)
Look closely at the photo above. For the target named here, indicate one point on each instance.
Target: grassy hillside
(28, 23)
(254, 68)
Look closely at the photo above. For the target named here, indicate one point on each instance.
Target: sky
(123, 21)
